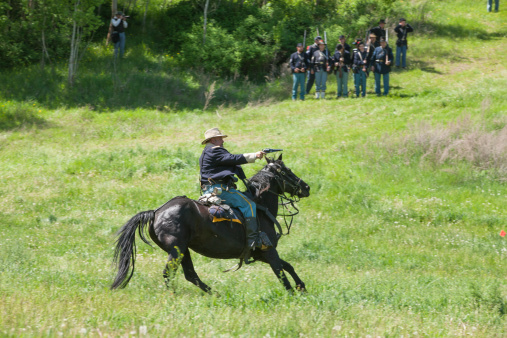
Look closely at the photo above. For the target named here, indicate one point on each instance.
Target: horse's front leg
(272, 258)
(299, 283)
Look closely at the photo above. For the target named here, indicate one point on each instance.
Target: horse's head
(286, 180)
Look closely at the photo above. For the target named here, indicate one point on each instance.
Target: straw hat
(210, 133)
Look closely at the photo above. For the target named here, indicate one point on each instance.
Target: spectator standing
(119, 23)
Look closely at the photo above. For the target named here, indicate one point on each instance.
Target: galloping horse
(182, 224)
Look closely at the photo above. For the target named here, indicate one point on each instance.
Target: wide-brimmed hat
(210, 133)
(119, 13)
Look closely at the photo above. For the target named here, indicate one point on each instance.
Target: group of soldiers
(314, 64)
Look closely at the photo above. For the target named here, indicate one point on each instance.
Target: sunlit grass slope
(400, 235)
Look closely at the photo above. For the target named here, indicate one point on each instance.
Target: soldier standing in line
(341, 59)
(359, 68)
(299, 65)
(490, 5)
(320, 66)
(370, 46)
(310, 51)
(401, 44)
(381, 65)
(379, 31)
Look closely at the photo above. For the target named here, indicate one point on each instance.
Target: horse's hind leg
(171, 266)
(190, 274)
(171, 245)
(288, 268)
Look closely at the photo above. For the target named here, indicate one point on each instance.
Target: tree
(84, 23)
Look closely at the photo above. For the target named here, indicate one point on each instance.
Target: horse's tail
(125, 251)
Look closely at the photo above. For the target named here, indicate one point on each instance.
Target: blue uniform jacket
(346, 59)
(401, 32)
(359, 57)
(319, 60)
(218, 164)
(299, 60)
(378, 59)
(379, 32)
(311, 50)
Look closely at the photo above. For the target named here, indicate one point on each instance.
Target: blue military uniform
(319, 63)
(309, 54)
(378, 61)
(379, 32)
(342, 81)
(298, 60)
(219, 169)
(401, 44)
(359, 74)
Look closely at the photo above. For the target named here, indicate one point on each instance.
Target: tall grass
(460, 141)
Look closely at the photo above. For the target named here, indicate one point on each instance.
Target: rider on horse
(218, 171)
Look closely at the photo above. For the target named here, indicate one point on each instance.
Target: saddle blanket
(221, 214)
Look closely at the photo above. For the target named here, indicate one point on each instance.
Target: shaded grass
(141, 80)
(16, 116)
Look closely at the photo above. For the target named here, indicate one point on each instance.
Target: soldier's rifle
(304, 46)
(387, 46)
(340, 65)
(327, 52)
(368, 44)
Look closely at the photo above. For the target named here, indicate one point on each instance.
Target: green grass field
(400, 236)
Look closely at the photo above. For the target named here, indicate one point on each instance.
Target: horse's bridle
(281, 179)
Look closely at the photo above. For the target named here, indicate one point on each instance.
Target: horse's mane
(259, 182)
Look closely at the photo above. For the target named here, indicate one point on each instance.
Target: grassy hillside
(400, 235)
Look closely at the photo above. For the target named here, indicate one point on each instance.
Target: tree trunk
(145, 11)
(205, 22)
(74, 48)
(114, 7)
(45, 53)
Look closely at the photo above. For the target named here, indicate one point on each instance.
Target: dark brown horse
(182, 224)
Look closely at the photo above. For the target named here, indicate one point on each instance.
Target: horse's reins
(284, 200)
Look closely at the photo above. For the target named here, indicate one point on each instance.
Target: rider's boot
(254, 238)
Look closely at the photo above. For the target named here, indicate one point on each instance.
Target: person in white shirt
(119, 23)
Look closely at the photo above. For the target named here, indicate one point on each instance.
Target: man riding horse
(182, 225)
(218, 171)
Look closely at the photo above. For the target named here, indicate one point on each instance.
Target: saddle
(224, 212)
(220, 212)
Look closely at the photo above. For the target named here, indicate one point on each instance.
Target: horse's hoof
(301, 289)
